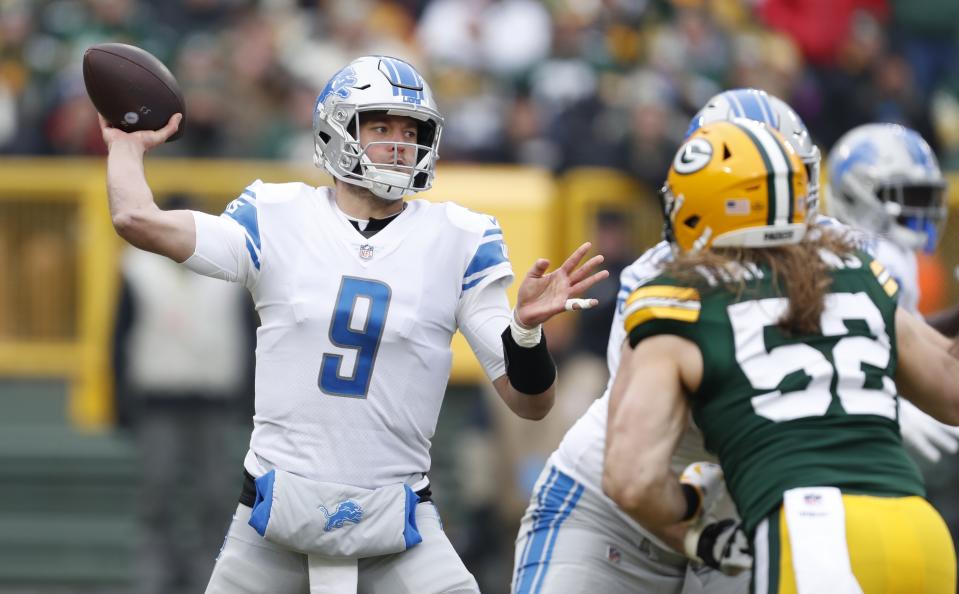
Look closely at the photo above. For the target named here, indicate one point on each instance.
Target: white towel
(332, 576)
(816, 520)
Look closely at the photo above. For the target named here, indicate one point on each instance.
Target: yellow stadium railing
(59, 253)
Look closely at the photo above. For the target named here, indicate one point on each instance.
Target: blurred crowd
(557, 84)
(554, 83)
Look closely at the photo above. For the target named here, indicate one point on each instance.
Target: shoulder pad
(467, 220)
(661, 302)
(643, 270)
(276, 193)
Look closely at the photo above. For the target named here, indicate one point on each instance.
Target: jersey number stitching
(358, 321)
(767, 368)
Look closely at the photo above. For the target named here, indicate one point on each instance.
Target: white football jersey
(899, 261)
(353, 352)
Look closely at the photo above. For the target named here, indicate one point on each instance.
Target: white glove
(721, 545)
(707, 479)
(927, 436)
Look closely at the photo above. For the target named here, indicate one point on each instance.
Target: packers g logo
(693, 156)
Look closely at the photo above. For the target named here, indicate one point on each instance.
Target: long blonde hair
(798, 269)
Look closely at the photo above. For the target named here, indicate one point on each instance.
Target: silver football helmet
(885, 179)
(384, 85)
(755, 104)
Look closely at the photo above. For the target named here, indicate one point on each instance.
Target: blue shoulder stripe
(487, 255)
(253, 256)
(243, 211)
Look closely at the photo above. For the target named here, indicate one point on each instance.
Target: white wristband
(526, 338)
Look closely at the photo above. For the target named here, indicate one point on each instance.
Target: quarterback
(789, 350)
(359, 293)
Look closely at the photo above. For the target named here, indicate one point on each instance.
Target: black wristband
(530, 370)
(693, 500)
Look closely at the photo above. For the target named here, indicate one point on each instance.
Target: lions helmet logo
(339, 85)
(693, 156)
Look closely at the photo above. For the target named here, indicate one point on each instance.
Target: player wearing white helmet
(573, 537)
(357, 94)
(885, 180)
(353, 353)
(760, 106)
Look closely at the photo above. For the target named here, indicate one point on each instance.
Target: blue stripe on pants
(557, 502)
(537, 512)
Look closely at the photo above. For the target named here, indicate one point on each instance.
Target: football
(131, 88)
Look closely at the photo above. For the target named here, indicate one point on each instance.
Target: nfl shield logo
(366, 251)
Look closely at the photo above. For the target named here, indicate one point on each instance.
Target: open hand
(543, 295)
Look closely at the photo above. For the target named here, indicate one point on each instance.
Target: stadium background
(561, 119)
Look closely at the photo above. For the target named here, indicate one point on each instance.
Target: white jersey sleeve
(228, 247)
(489, 259)
(483, 309)
(482, 315)
(640, 272)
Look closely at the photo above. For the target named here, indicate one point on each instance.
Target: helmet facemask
(390, 180)
(885, 179)
(917, 213)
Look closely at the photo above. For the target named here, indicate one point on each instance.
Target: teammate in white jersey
(575, 539)
(885, 180)
(359, 293)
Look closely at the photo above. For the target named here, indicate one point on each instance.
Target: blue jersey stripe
(253, 256)
(243, 212)
(473, 283)
(487, 255)
(490, 232)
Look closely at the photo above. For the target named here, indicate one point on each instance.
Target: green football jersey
(784, 412)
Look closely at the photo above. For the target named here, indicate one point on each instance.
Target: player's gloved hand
(924, 434)
(707, 479)
(721, 545)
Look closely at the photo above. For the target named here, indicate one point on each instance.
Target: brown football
(131, 88)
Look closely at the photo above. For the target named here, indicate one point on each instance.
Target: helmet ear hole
(692, 221)
(325, 137)
(726, 153)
